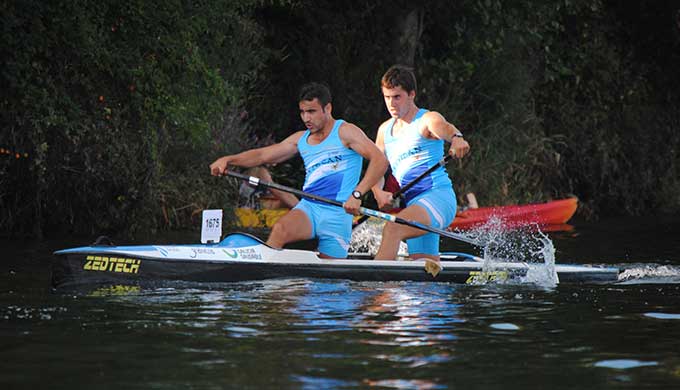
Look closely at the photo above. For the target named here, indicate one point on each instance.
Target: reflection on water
(664, 316)
(505, 326)
(305, 333)
(623, 364)
(388, 310)
(337, 334)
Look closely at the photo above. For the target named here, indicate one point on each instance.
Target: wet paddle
(363, 210)
(405, 188)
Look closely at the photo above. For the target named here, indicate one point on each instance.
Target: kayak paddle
(405, 188)
(255, 181)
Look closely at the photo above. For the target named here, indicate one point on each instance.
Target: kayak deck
(242, 257)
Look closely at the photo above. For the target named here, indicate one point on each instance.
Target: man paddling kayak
(413, 141)
(332, 151)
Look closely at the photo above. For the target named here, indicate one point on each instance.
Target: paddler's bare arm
(381, 196)
(355, 139)
(438, 127)
(271, 154)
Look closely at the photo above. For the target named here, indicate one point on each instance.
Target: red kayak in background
(553, 215)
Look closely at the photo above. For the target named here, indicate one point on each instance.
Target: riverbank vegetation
(112, 112)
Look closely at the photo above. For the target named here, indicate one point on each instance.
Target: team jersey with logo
(332, 170)
(411, 154)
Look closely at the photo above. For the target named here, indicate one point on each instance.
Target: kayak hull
(240, 257)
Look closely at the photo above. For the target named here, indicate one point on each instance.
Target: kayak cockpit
(240, 240)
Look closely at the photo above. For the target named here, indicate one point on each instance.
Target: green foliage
(609, 97)
(479, 69)
(557, 98)
(116, 109)
(119, 103)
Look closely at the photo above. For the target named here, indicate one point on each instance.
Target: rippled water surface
(305, 333)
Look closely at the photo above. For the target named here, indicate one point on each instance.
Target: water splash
(650, 273)
(500, 245)
(366, 238)
(526, 245)
(544, 273)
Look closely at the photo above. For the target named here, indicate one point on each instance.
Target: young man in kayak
(332, 151)
(413, 141)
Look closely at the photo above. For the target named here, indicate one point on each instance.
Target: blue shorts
(331, 225)
(441, 206)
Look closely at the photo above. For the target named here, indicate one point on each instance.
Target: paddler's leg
(435, 208)
(294, 226)
(440, 206)
(394, 233)
(426, 247)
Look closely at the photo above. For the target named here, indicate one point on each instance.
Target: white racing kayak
(240, 257)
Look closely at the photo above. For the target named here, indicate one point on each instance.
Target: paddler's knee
(284, 232)
(278, 234)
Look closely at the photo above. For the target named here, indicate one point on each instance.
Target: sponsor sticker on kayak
(112, 264)
(485, 277)
(249, 254)
(243, 254)
(209, 253)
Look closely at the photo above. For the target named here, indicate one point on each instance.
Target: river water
(325, 334)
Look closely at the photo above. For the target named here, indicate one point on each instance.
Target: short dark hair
(310, 91)
(399, 76)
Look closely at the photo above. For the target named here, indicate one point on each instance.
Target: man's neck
(410, 115)
(321, 134)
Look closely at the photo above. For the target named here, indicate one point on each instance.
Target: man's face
(398, 101)
(313, 115)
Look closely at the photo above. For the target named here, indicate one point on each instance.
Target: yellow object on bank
(263, 218)
(252, 218)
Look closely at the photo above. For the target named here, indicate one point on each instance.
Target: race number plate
(211, 230)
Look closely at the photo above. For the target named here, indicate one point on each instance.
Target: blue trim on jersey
(327, 186)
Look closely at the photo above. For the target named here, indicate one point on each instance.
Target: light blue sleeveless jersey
(333, 171)
(411, 154)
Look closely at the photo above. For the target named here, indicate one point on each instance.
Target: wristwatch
(356, 194)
